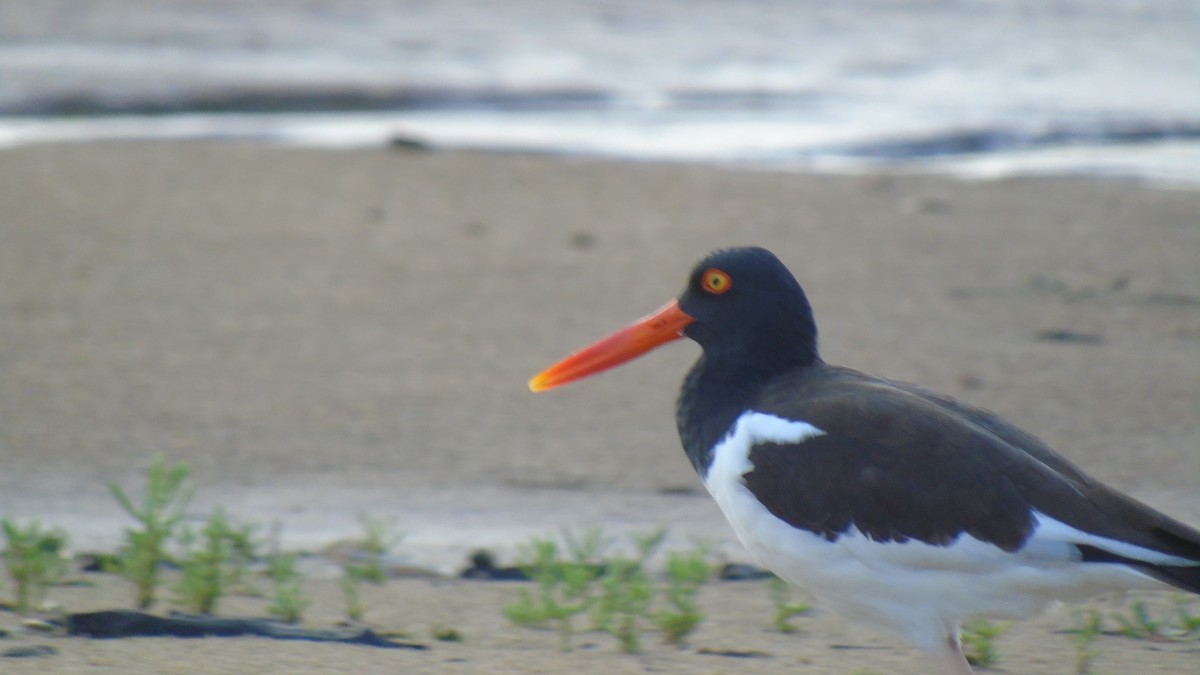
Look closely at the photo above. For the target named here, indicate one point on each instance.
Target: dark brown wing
(900, 462)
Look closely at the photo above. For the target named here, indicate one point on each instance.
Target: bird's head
(739, 303)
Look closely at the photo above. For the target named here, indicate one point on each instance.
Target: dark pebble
(1071, 337)
(483, 568)
(28, 651)
(742, 572)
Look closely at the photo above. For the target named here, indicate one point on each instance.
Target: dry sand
(323, 334)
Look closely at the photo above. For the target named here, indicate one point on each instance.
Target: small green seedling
(206, 568)
(34, 558)
(288, 602)
(1189, 623)
(446, 634)
(367, 564)
(587, 545)
(1179, 623)
(1140, 624)
(379, 541)
(979, 641)
(564, 586)
(626, 592)
(785, 609)
(355, 607)
(563, 590)
(243, 550)
(686, 573)
(617, 592)
(162, 507)
(1088, 625)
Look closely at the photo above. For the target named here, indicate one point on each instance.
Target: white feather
(1050, 531)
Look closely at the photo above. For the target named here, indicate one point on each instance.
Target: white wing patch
(1051, 532)
(731, 457)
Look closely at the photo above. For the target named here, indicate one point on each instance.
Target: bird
(896, 506)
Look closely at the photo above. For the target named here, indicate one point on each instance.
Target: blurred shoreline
(977, 89)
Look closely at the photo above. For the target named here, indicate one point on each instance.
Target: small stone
(409, 144)
(1070, 336)
(583, 241)
(37, 625)
(28, 651)
(742, 572)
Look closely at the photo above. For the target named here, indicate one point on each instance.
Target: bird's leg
(951, 660)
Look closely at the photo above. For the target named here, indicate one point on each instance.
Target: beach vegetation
(349, 583)
(287, 599)
(617, 591)
(563, 589)
(34, 559)
(687, 572)
(165, 497)
(207, 563)
(446, 634)
(368, 563)
(1140, 623)
(626, 591)
(244, 550)
(786, 609)
(1087, 626)
(379, 538)
(1188, 622)
(979, 641)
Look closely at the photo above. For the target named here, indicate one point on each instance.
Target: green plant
(349, 583)
(1140, 624)
(288, 602)
(686, 573)
(979, 641)
(367, 564)
(205, 569)
(378, 542)
(617, 592)
(1189, 623)
(586, 546)
(1178, 623)
(780, 593)
(563, 587)
(446, 634)
(626, 592)
(1088, 625)
(162, 506)
(625, 595)
(34, 560)
(243, 550)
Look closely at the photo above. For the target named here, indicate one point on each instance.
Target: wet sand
(324, 334)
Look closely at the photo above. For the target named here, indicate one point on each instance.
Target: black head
(743, 307)
(747, 306)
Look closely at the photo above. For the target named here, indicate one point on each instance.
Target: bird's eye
(715, 281)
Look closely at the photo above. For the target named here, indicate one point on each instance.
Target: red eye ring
(715, 281)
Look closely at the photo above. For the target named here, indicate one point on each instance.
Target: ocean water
(1107, 88)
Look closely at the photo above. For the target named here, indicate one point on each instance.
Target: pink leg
(950, 661)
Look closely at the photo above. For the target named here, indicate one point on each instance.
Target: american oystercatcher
(888, 502)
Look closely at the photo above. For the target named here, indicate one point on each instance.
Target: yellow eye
(715, 281)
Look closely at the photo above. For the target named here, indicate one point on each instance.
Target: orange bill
(641, 336)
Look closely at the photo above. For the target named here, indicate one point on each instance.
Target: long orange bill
(630, 342)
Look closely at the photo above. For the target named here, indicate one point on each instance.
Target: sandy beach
(324, 334)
